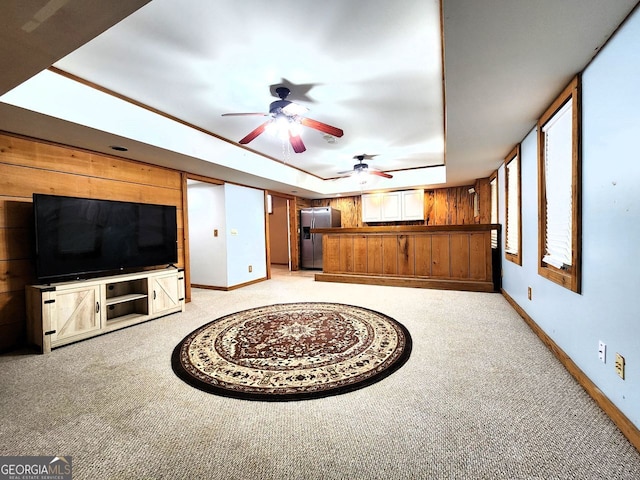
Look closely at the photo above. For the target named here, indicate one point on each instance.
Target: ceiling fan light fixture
(286, 123)
(293, 109)
(361, 176)
(282, 127)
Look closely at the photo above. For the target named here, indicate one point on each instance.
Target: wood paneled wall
(28, 167)
(350, 209)
(443, 206)
(448, 256)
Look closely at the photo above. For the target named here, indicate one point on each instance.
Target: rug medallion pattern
(292, 351)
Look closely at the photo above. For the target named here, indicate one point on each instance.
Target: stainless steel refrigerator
(311, 243)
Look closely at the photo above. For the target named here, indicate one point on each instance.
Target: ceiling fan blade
(345, 171)
(380, 174)
(244, 114)
(254, 133)
(323, 127)
(296, 143)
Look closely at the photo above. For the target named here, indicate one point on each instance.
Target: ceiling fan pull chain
(286, 151)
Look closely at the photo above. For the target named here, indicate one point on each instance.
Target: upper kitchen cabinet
(393, 206)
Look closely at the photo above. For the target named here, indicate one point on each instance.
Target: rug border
(185, 376)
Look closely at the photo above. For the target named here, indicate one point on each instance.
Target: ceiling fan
(286, 116)
(362, 168)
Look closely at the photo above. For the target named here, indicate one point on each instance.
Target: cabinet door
(413, 205)
(391, 207)
(381, 207)
(371, 207)
(73, 312)
(165, 293)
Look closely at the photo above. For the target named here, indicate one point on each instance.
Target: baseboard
(625, 425)
(414, 282)
(208, 287)
(232, 287)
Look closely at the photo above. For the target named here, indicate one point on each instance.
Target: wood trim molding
(398, 229)
(119, 96)
(267, 236)
(202, 178)
(232, 287)
(185, 238)
(625, 425)
(411, 282)
(571, 277)
(514, 156)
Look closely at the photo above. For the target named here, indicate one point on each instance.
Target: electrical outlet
(620, 365)
(602, 352)
(529, 293)
(250, 268)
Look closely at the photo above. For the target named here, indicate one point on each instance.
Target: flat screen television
(84, 237)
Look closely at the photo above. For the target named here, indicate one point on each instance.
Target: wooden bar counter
(453, 257)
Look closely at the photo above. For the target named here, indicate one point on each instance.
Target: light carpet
(480, 398)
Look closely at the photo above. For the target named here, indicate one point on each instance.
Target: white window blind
(494, 211)
(513, 228)
(558, 155)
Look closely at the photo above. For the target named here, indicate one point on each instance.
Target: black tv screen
(82, 237)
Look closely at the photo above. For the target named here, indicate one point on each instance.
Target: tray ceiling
(372, 68)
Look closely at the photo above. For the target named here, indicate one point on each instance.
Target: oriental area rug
(292, 351)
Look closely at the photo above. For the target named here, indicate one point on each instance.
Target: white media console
(65, 312)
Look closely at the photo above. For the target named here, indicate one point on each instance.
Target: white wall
(238, 215)
(608, 308)
(208, 254)
(246, 236)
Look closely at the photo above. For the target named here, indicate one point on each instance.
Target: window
(493, 183)
(559, 174)
(513, 236)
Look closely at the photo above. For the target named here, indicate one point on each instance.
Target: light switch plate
(602, 352)
(620, 365)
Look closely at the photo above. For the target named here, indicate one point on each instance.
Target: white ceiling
(370, 67)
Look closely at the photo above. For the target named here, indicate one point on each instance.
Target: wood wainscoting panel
(451, 257)
(479, 255)
(459, 243)
(440, 256)
(360, 254)
(406, 255)
(331, 253)
(422, 255)
(374, 254)
(389, 255)
(346, 253)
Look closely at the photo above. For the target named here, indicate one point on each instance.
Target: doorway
(283, 232)
(279, 232)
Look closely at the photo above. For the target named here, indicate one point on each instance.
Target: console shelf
(62, 313)
(126, 298)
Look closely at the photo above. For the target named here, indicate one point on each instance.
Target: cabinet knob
(97, 307)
